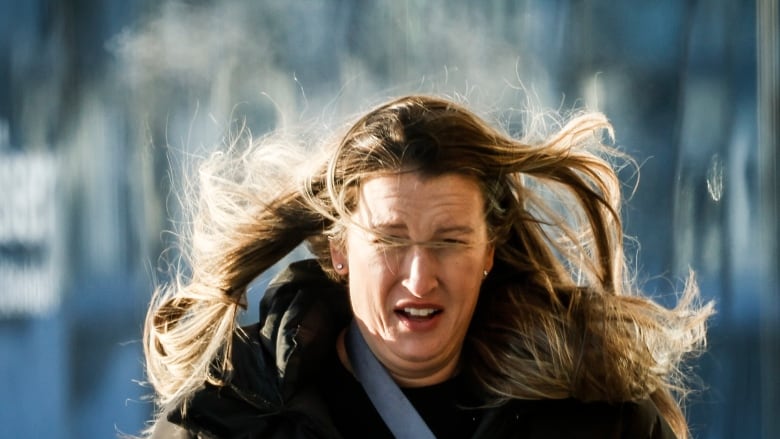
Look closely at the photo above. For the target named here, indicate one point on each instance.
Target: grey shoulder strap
(395, 409)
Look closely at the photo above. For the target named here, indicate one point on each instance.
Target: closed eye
(390, 240)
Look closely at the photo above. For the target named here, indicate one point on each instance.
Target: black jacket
(272, 391)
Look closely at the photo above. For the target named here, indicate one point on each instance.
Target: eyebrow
(460, 229)
(456, 229)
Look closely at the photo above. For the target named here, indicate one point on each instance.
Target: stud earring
(339, 266)
(484, 273)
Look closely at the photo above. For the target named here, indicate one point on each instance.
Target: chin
(419, 354)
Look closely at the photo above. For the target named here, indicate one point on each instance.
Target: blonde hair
(557, 317)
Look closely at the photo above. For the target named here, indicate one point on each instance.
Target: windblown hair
(558, 316)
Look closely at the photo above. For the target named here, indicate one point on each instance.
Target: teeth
(419, 312)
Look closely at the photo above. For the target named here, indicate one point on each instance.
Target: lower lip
(418, 324)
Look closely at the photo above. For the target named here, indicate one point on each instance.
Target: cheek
(465, 275)
(369, 282)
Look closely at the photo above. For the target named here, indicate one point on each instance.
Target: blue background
(123, 94)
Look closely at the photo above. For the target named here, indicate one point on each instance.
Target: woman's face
(413, 303)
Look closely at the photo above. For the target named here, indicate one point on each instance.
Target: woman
(484, 273)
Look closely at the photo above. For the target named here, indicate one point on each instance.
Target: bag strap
(399, 414)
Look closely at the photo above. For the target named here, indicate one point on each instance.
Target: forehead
(406, 199)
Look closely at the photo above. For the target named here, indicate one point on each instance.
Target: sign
(30, 266)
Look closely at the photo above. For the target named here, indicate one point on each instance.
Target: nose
(421, 271)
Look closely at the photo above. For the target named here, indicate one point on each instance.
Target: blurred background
(104, 103)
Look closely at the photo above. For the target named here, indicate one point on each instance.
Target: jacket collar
(275, 360)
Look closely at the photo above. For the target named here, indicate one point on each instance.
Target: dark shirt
(444, 406)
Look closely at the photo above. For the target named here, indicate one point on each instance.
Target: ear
(339, 258)
(489, 255)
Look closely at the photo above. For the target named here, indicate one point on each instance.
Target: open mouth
(418, 313)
